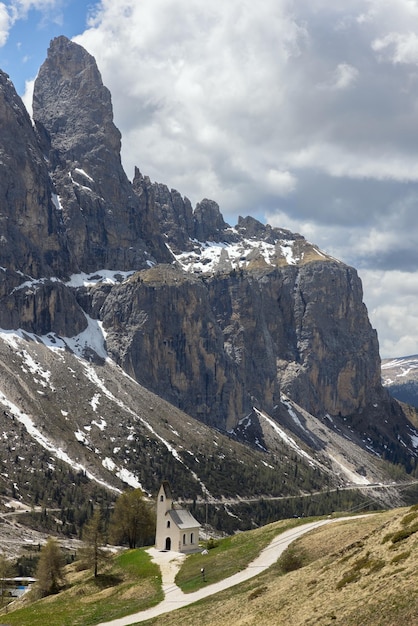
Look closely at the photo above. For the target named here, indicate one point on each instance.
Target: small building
(177, 529)
(17, 586)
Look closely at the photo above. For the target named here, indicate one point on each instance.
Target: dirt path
(170, 562)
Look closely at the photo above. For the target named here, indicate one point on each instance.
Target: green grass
(130, 583)
(231, 555)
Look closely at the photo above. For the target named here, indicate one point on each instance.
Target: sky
(301, 114)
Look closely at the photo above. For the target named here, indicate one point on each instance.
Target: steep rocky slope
(250, 330)
(60, 410)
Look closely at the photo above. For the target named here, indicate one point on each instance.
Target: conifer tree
(49, 572)
(5, 572)
(92, 553)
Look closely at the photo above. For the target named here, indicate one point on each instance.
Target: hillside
(118, 433)
(354, 571)
(351, 573)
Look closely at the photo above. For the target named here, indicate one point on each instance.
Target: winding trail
(170, 562)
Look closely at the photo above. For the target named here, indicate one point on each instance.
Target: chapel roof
(183, 519)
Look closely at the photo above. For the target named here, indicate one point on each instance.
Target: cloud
(4, 24)
(16, 10)
(342, 77)
(400, 47)
(393, 310)
(281, 183)
(28, 95)
(22, 7)
(201, 81)
(239, 92)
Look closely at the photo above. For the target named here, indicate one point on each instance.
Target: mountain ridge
(247, 336)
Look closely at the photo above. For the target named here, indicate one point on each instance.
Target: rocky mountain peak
(107, 224)
(69, 94)
(209, 221)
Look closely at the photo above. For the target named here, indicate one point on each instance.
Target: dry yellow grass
(355, 575)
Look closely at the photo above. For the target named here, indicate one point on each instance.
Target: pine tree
(5, 572)
(49, 572)
(92, 553)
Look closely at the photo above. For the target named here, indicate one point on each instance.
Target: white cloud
(22, 7)
(19, 9)
(339, 161)
(5, 24)
(400, 47)
(345, 75)
(341, 77)
(391, 301)
(195, 83)
(28, 95)
(281, 182)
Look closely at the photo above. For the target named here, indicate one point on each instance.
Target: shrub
(257, 592)
(291, 560)
(212, 543)
(349, 577)
(408, 518)
(403, 534)
(400, 557)
(364, 563)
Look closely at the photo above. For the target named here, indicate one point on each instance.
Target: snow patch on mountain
(103, 276)
(289, 441)
(209, 256)
(93, 337)
(400, 368)
(46, 443)
(92, 375)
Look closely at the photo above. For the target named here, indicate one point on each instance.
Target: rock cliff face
(32, 240)
(215, 319)
(218, 344)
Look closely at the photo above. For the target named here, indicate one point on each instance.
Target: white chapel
(177, 529)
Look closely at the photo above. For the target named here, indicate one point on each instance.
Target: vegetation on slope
(130, 583)
(228, 556)
(357, 571)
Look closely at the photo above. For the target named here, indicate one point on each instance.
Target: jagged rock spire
(108, 225)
